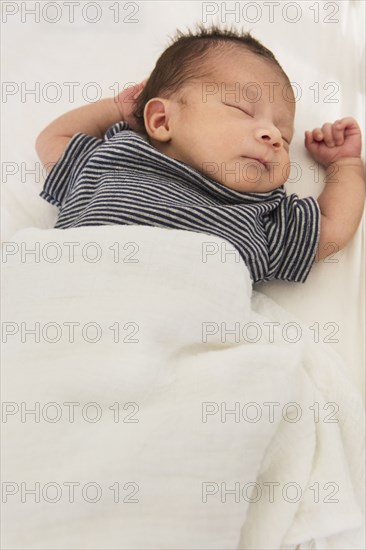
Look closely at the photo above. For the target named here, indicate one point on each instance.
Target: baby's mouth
(257, 160)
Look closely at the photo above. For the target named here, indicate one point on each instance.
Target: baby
(203, 145)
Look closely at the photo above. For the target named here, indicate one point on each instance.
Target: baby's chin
(245, 186)
(246, 178)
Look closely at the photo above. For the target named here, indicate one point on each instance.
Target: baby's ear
(156, 116)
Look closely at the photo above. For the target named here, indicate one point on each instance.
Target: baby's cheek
(286, 170)
(279, 171)
(285, 163)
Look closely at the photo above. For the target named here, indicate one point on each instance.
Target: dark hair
(185, 59)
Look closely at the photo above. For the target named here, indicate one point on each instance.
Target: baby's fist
(126, 102)
(334, 141)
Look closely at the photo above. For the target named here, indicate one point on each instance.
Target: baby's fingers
(331, 134)
(139, 87)
(338, 132)
(130, 94)
(328, 134)
(317, 134)
(309, 140)
(313, 136)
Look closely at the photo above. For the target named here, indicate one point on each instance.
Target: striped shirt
(122, 179)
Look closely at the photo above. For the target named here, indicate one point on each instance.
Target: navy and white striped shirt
(122, 179)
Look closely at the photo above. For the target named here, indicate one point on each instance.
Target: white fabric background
(319, 44)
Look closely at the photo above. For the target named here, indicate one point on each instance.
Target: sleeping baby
(203, 145)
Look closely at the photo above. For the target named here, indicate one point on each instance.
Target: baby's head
(219, 101)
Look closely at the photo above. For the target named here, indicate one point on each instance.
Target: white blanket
(175, 407)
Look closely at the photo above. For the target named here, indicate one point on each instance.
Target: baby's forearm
(93, 119)
(343, 198)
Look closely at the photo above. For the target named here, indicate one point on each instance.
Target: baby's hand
(126, 102)
(334, 141)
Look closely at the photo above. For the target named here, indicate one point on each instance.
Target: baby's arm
(93, 120)
(338, 148)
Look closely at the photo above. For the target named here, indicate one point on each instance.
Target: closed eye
(240, 109)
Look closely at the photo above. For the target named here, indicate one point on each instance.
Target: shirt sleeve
(293, 231)
(63, 175)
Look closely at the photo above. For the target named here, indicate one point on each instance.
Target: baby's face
(237, 127)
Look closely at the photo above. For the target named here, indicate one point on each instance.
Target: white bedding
(329, 307)
(181, 372)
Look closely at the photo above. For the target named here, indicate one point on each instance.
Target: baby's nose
(271, 136)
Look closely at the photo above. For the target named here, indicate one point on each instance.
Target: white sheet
(182, 374)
